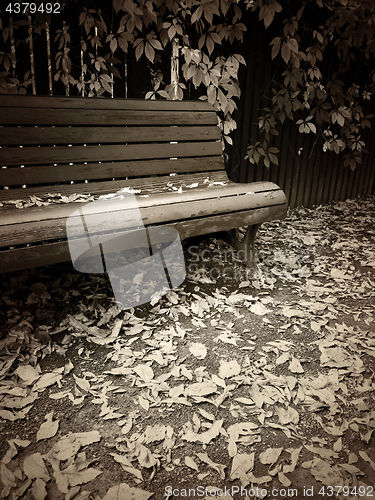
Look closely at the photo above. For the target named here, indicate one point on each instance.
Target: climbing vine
(325, 50)
(322, 52)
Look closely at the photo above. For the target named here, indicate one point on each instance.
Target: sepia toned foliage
(322, 50)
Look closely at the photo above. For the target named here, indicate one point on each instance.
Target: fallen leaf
(287, 415)
(12, 451)
(19, 402)
(47, 380)
(127, 465)
(198, 350)
(34, 467)
(8, 479)
(121, 459)
(48, 429)
(295, 366)
(365, 457)
(124, 491)
(82, 383)
(145, 457)
(323, 452)
(68, 446)
(38, 489)
(241, 464)
(204, 437)
(290, 313)
(76, 477)
(201, 389)
(189, 462)
(337, 446)
(283, 479)
(145, 372)
(245, 401)
(128, 424)
(229, 369)
(259, 309)
(206, 414)
(256, 395)
(27, 373)
(294, 457)
(218, 467)
(155, 433)
(270, 456)
(283, 358)
(144, 403)
(327, 474)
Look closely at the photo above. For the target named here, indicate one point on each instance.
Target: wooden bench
(170, 150)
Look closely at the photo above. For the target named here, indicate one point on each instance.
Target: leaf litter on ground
(165, 361)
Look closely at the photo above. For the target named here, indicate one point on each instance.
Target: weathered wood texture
(169, 150)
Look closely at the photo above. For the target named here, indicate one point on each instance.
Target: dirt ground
(238, 384)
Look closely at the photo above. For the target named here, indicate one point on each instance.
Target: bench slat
(40, 101)
(212, 190)
(152, 185)
(117, 152)
(62, 173)
(39, 224)
(55, 116)
(100, 135)
(42, 255)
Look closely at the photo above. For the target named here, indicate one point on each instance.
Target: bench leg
(245, 245)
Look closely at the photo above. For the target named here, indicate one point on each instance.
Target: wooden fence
(306, 174)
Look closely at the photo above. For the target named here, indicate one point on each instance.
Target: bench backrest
(64, 140)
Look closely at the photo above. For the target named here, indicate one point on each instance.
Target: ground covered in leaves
(234, 385)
